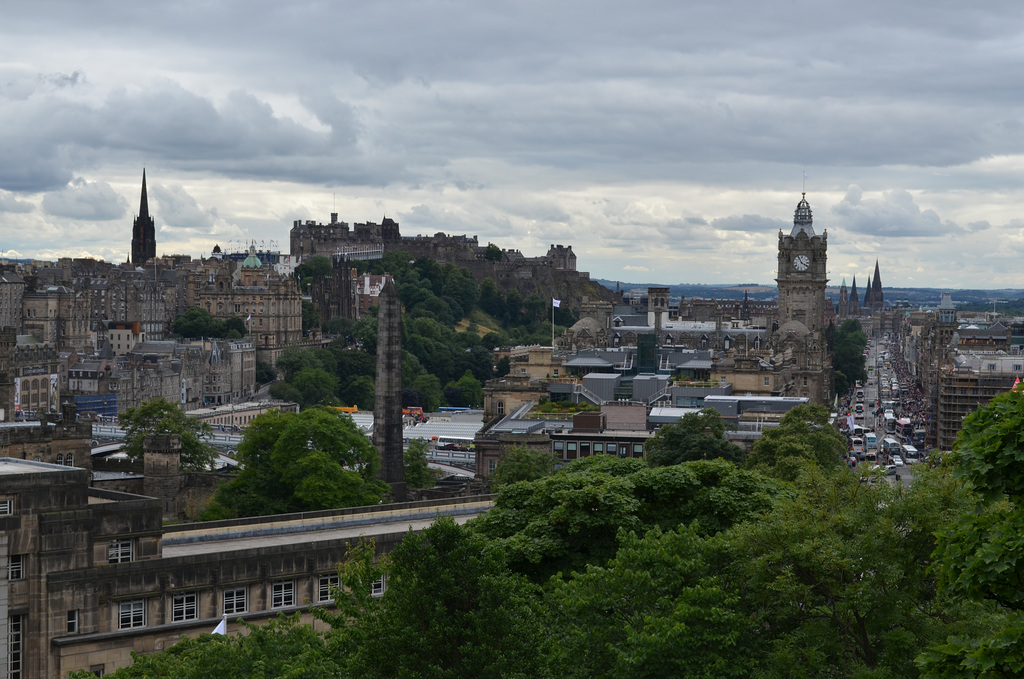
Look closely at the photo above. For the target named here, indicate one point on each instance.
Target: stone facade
(387, 408)
(97, 576)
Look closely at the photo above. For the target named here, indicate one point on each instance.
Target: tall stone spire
(877, 301)
(143, 231)
(867, 306)
(387, 404)
(854, 299)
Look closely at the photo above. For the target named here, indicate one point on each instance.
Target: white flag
(222, 626)
(248, 318)
(556, 303)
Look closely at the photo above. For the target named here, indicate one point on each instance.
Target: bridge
(311, 527)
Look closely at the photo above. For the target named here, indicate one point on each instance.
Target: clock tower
(801, 340)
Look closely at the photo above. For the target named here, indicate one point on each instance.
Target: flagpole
(552, 327)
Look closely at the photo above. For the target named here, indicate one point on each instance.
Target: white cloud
(85, 200)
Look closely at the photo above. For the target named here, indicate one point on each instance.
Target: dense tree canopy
(849, 342)
(803, 435)
(198, 322)
(697, 436)
(293, 462)
(160, 416)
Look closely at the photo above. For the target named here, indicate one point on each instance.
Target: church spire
(143, 230)
(144, 203)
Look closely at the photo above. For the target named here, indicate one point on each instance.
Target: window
(16, 567)
(491, 465)
(767, 381)
(378, 586)
(6, 506)
(613, 448)
(185, 607)
(327, 582)
(638, 449)
(598, 447)
(559, 446)
(15, 641)
(120, 551)
(131, 614)
(73, 622)
(282, 594)
(501, 407)
(69, 460)
(235, 600)
(584, 448)
(60, 459)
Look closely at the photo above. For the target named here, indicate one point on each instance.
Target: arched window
(60, 459)
(69, 460)
(501, 407)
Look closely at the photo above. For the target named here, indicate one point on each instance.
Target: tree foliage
(451, 609)
(697, 436)
(849, 342)
(198, 322)
(293, 462)
(804, 435)
(282, 647)
(418, 473)
(520, 463)
(160, 416)
(980, 556)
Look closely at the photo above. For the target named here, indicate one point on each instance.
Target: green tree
(492, 253)
(835, 578)
(315, 386)
(659, 608)
(317, 266)
(310, 317)
(697, 436)
(196, 322)
(452, 609)
(265, 373)
(418, 474)
(563, 522)
(520, 463)
(980, 556)
(292, 462)
(849, 342)
(160, 416)
(803, 436)
(282, 647)
(430, 387)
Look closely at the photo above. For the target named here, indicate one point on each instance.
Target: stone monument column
(387, 405)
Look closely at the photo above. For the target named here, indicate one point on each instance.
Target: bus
(870, 440)
(904, 430)
(891, 446)
(890, 424)
(346, 409)
(857, 445)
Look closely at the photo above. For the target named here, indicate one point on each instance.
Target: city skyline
(664, 142)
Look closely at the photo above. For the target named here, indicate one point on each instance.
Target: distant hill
(912, 296)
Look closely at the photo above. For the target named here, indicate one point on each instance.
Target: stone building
(800, 344)
(92, 575)
(12, 289)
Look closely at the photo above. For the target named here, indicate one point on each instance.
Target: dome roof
(252, 261)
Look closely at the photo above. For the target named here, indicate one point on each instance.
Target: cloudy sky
(666, 141)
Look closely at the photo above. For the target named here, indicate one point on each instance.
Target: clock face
(801, 262)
